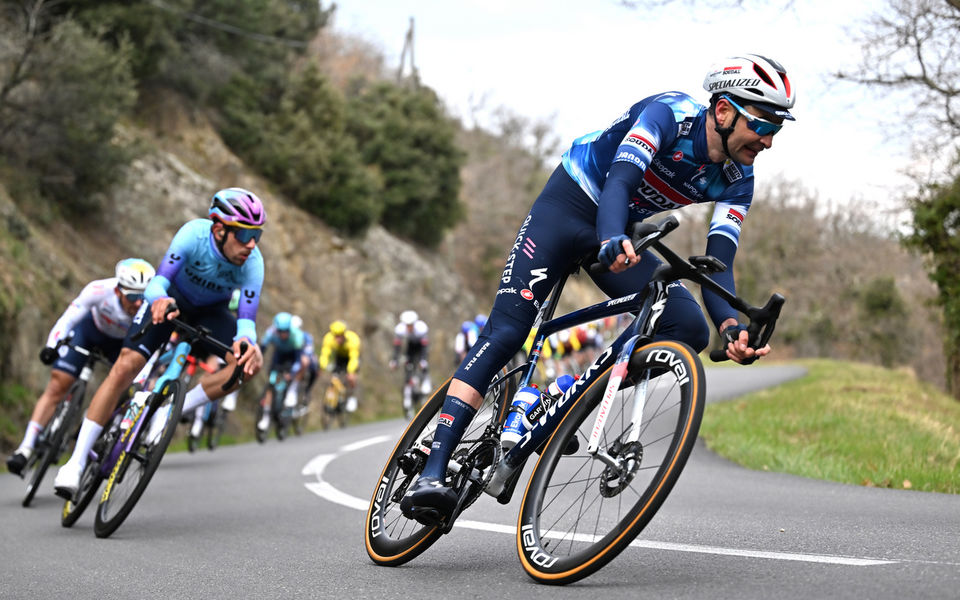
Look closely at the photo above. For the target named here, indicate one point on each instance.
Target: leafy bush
(64, 91)
(404, 133)
(303, 147)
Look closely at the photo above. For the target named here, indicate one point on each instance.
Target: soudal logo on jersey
(642, 142)
(445, 419)
(745, 82)
(731, 171)
(736, 217)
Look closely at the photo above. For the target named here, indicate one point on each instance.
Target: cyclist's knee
(502, 337)
(683, 320)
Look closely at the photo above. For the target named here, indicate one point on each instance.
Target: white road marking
(326, 491)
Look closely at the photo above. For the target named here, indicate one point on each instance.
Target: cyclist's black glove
(48, 355)
(731, 334)
(611, 249)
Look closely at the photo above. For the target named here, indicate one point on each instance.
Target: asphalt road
(285, 520)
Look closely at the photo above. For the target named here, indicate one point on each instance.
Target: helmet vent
(763, 75)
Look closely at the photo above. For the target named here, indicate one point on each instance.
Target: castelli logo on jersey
(527, 294)
(678, 156)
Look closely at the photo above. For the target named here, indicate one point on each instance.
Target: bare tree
(914, 46)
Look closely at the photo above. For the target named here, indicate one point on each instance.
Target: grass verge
(846, 422)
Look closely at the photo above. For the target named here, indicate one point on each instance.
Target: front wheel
(391, 538)
(64, 420)
(578, 511)
(135, 468)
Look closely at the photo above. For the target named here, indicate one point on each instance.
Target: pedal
(430, 517)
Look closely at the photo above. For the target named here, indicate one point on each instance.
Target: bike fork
(618, 372)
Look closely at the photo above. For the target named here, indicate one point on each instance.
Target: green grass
(846, 422)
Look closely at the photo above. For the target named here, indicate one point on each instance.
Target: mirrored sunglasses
(755, 124)
(244, 235)
(131, 296)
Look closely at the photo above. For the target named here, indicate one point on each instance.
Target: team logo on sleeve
(642, 142)
(445, 419)
(736, 217)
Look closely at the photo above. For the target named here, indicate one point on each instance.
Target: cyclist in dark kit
(666, 152)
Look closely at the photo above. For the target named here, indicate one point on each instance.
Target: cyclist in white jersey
(97, 318)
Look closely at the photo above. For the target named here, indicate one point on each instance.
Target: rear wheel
(63, 421)
(134, 469)
(579, 512)
(216, 429)
(391, 538)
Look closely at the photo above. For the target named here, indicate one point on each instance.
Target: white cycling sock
(197, 428)
(194, 398)
(89, 432)
(30, 437)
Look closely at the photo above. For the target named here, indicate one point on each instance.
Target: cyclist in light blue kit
(665, 152)
(288, 341)
(206, 261)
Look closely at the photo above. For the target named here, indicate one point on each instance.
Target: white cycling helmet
(758, 80)
(408, 317)
(133, 274)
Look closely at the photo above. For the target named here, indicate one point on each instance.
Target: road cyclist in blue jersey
(290, 361)
(96, 319)
(206, 260)
(665, 152)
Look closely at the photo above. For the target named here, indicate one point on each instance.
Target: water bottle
(555, 390)
(513, 428)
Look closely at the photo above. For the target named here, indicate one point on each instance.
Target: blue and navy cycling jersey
(296, 340)
(654, 158)
(204, 277)
(286, 351)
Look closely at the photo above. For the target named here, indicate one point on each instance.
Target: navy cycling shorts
(215, 317)
(86, 335)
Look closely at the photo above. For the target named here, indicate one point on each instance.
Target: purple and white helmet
(237, 207)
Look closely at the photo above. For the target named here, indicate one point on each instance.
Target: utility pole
(408, 50)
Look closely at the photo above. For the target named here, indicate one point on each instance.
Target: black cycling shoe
(429, 502)
(16, 462)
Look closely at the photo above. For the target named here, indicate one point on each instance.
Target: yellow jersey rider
(343, 346)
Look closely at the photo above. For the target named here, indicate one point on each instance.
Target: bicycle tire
(216, 430)
(390, 538)
(567, 495)
(90, 481)
(92, 475)
(115, 506)
(63, 419)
